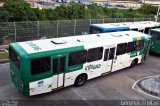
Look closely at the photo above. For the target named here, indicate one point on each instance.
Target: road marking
(133, 87)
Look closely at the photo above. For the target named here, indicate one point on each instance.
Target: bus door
(121, 57)
(59, 68)
(146, 49)
(108, 59)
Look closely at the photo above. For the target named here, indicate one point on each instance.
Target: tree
(18, 11)
(148, 9)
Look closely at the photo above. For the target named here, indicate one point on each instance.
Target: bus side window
(111, 53)
(158, 35)
(121, 48)
(131, 46)
(106, 54)
(147, 30)
(78, 57)
(135, 29)
(40, 65)
(154, 35)
(95, 54)
(140, 45)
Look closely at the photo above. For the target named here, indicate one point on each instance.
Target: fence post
(115, 19)
(125, 19)
(142, 19)
(150, 19)
(134, 19)
(75, 27)
(90, 21)
(15, 32)
(57, 27)
(38, 29)
(103, 20)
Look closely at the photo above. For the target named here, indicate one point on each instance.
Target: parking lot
(115, 86)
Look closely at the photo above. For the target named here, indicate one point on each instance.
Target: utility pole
(157, 13)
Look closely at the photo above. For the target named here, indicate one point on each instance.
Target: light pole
(157, 13)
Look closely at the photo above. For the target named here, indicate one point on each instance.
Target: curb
(147, 90)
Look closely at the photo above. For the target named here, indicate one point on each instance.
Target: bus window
(62, 65)
(106, 54)
(136, 29)
(154, 35)
(140, 45)
(14, 57)
(131, 46)
(78, 57)
(147, 30)
(158, 35)
(55, 66)
(111, 53)
(121, 49)
(95, 54)
(141, 31)
(94, 30)
(40, 65)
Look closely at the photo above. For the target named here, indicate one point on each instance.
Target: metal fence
(32, 30)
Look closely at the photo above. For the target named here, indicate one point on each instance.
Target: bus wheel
(80, 80)
(134, 63)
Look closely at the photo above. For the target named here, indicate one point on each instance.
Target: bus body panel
(40, 86)
(47, 81)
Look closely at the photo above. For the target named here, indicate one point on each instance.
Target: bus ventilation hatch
(59, 41)
(116, 35)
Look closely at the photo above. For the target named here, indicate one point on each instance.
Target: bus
(41, 66)
(155, 46)
(143, 26)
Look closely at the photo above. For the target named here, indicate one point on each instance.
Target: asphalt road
(115, 86)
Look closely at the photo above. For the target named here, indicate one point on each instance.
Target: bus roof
(88, 41)
(130, 25)
(157, 29)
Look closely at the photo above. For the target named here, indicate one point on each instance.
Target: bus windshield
(94, 30)
(13, 56)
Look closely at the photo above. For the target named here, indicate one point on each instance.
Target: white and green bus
(41, 66)
(155, 46)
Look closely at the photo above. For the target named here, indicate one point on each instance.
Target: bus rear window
(14, 57)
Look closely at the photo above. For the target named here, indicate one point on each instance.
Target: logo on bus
(92, 67)
(34, 46)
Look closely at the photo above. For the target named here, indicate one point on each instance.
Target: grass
(4, 55)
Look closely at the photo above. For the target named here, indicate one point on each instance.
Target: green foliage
(148, 9)
(19, 10)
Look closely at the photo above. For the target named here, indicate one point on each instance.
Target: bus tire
(80, 80)
(134, 63)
